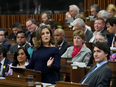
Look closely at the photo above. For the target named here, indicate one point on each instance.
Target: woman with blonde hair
(111, 10)
(78, 52)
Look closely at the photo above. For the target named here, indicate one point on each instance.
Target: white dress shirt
(2, 63)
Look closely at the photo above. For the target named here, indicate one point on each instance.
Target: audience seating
(12, 42)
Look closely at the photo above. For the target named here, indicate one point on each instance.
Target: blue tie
(0, 66)
(91, 70)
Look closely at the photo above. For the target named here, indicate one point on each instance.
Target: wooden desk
(10, 56)
(20, 74)
(69, 84)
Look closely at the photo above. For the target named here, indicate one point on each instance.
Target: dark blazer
(64, 47)
(105, 33)
(6, 62)
(88, 35)
(7, 44)
(110, 39)
(12, 36)
(14, 48)
(100, 77)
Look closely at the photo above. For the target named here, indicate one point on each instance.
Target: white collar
(2, 62)
(22, 46)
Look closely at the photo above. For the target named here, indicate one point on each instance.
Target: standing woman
(46, 57)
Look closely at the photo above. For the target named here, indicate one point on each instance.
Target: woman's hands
(50, 61)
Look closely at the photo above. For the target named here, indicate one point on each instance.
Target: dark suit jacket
(100, 77)
(7, 44)
(88, 35)
(64, 47)
(105, 33)
(12, 36)
(6, 62)
(14, 48)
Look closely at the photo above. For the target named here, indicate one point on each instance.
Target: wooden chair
(12, 42)
(89, 45)
(10, 56)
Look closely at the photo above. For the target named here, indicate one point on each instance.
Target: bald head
(59, 36)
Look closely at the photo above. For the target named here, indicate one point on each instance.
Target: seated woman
(46, 57)
(32, 41)
(79, 52)
(111, 10)
(21, 58)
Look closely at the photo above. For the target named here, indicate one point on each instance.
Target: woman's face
(21, 57)
(45, 36)
(111, 13)
(78, 41)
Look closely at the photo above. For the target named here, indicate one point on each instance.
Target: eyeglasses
(29, 25)
(1, 34)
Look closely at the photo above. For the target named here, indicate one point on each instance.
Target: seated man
(62, 44)
(32, 27)
(15, 27)
(3, 38)
(46, 16)
(101, 38)
(4, 61)
(72, 14)
(21, 42)
(99, 75)
(99, 26)
(79, 24)
(51, 24)
(94, 10)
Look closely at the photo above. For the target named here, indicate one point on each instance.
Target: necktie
(37, 10)
(0, 66)
(91, 70)
(74, 18)
(59, 46)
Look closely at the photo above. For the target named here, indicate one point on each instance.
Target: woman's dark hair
(15, 61)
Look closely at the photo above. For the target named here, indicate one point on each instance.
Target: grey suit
(14, 48)
(83, 56)
(88, 35)
(100, 77)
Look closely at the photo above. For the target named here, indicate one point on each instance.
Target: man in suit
(61, 43)
(111, 27)
(94, 10)
(37, 4)
(105, 15)
(51, 24)
(99, 26)
(73, 11)
(4, 61)
(80, 24)
(21, 42)
(3, 38)
(99, 75)
(32, 27)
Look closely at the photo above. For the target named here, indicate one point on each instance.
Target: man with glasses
(94, 10)
(31, 26)
(3, 38)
